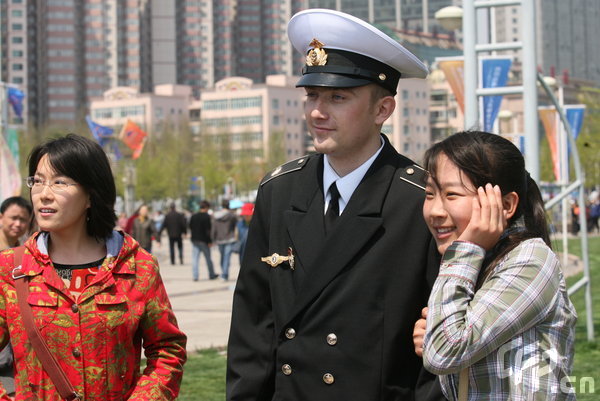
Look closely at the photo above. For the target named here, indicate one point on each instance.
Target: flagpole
(4, 103)
(129, 186)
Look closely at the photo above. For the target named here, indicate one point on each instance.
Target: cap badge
(316, 55)
(382, 77)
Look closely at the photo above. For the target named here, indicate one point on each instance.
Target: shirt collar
(113, 243)
(347, 184)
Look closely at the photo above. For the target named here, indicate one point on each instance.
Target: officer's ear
(384, 107)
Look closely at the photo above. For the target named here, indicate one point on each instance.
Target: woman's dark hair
(489, 158)
(84, 161)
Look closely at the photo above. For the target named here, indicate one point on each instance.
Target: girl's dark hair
(84, 161)
(489, 158)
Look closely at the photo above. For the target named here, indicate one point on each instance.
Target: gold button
(382, 77)
(331, 339)
(300, 161)
(290, 333)
(410, 171)
(286, 369)
(328, 378)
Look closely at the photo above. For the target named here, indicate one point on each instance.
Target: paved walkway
(203, 308)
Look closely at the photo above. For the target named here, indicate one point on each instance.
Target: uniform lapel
(305, 219)
(325, 258)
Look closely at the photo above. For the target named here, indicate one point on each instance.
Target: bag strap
(463, 385)
(49, 363)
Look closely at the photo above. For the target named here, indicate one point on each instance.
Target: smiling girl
(499, 306)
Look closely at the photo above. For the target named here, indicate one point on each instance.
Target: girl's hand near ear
(488, 218)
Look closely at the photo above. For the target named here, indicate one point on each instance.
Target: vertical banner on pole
(453, 68)
(12, 140)
(575, 114)
(10, 178)
(548, 116)
(494, 74)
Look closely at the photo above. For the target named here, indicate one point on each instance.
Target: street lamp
(450, 18)
(506, 115)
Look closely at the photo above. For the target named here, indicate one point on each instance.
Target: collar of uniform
(347, 184)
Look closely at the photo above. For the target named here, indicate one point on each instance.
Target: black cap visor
(331, 80)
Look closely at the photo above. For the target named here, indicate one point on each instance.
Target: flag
(15, 98)
(453, 69)
(100, 132)
(494, 74)
(548, 116)
(116, 151)
(134, 137)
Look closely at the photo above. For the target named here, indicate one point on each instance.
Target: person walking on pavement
(339, 261)
(144, 230)
(200, 227)
(242, 228)
(223, 234)
(15, 218)
(176, 226)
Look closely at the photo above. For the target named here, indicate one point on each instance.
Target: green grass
(587, 354)
(204, 378)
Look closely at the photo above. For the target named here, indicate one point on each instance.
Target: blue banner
(100, 132)
(494, 74)
(574, 114)
(15, 98)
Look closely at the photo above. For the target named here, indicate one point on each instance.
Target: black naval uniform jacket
(335, 323)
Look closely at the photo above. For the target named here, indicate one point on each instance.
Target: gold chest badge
(276, 259)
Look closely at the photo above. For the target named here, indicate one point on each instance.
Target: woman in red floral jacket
(96, 295)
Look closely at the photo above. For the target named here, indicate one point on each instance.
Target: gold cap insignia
(316, 55)
(277, 259)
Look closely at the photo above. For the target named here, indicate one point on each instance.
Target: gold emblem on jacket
(276, 259)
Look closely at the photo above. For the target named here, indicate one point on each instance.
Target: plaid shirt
(515, 333)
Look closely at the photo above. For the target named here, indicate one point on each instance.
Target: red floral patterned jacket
(96, 338)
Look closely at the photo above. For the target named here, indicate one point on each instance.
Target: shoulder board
(285, 168)
(415, 175)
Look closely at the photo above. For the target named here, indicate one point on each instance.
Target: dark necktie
(333, 211)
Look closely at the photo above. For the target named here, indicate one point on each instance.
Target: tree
(588, 143)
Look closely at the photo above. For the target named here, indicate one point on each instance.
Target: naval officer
(338, 261)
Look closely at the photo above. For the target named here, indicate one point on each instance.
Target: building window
(405, 112)
(406, 147)
(17, 39)
(275, 120)
(17, 13)
(17, 53)
(405, 94)
(275, 104)
(406, 129)
(17, 67)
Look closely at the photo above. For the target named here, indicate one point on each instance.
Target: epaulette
(415, 175)
(285, 168)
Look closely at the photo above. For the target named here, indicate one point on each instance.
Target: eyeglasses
(36, 184)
